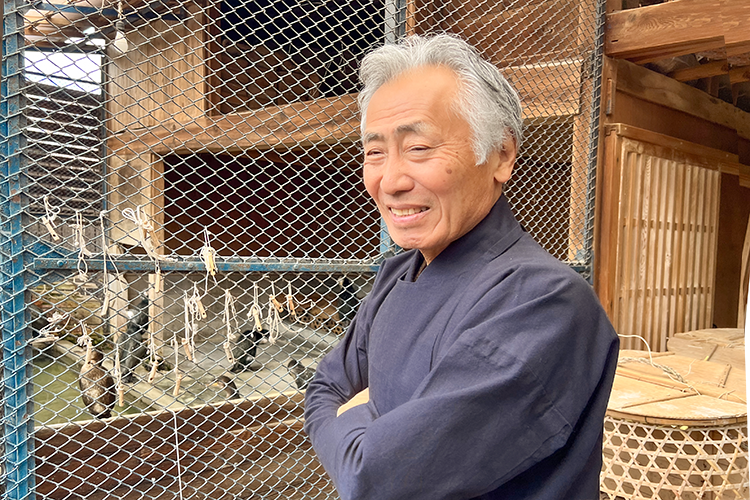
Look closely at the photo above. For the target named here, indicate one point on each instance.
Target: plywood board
(628, 392)
(721, 345)
(691, 410)
(163, 75)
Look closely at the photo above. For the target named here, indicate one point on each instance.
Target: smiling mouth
(407, 211)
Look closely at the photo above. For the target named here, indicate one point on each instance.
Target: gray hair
(486, 100)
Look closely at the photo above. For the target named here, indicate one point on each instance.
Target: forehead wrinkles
(418, 127)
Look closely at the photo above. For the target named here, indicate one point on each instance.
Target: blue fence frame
(17, 424)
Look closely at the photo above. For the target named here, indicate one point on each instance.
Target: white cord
(177, 454)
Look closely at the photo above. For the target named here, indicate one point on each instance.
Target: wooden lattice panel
(663, 216)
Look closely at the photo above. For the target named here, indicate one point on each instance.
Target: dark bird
(245, 350)
(226, 387)
(97, 387)
(131, 345)
(302, 375)
(346, 300)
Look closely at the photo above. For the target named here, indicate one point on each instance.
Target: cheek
(370, 182)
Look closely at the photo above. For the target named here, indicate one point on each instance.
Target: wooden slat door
(663, 201)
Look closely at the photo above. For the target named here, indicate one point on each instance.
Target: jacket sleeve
(504, 396)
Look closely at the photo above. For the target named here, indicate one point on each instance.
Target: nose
(396, 177)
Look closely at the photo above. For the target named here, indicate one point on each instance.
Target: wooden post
(137, 180)
(742, 314)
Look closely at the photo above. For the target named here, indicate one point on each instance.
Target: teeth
(408, 211)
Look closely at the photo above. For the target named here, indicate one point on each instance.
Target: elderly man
(478, 366)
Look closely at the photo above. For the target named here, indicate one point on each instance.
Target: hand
(358, 399)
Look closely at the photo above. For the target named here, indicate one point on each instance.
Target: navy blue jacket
(489, 377)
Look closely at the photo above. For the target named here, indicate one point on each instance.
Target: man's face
(419, 165)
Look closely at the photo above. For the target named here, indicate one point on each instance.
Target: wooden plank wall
(227, 451)
(665, 242)
(161, 77)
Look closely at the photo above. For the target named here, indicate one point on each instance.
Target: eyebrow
(408, 128)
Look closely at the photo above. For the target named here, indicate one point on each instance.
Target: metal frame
(17, 426)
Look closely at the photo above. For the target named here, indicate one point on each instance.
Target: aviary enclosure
(181, 197)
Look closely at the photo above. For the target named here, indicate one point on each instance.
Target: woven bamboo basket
(676, 428)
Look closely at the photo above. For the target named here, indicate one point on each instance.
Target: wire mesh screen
(185, 232)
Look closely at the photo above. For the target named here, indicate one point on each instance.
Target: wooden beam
(660, 89)
(548, 91)
(294, 125)
(707, 70)
(676, 28)
(739, 74)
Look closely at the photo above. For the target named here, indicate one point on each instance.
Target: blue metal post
(17, 424)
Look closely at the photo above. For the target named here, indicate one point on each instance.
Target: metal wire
(229, 125)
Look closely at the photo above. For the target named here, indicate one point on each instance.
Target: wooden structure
(676, 427)
(171, 99)
(674, 167)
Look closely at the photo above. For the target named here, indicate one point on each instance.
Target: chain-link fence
(185, 232)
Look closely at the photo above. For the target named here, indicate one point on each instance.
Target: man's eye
(373, 152)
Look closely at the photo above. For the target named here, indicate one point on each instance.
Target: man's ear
(506, 160)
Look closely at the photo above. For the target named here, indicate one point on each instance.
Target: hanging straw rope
(85, 341)
(49, 332)
(255, 312)
(230, 313)
(208, 257)
(290, 302)
(49, 219)
(279, 307)
(146, 232)
(149, 242)
(193, 311)
(117, 370)
(196, 298)
(274, 323)
(177, 373)
(83, 252)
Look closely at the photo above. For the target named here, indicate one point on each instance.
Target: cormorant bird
(226, 387)
(302, 375)
(132, 348)
(97, 387)
(346, 301)
(244, 351)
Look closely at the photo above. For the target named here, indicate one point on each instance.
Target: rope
(290, 302)
(255, 312)
(146, 233)
(117, 370)
(273, 317)
(49, 332)
(208, 257)
(669, 371)
(49, 219)
(229, 313)
(177, 455)
(274, 320)
(177, 374)
(80, 242)
(85, 341)
(191, 323)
